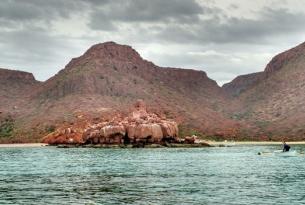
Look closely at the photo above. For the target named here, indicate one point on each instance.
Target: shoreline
(23, 145)
(240, 143)
(211, 143)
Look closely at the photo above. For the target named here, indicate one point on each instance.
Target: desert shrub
(50, 128)
(7, 127)
(262, 124)
(186, 130)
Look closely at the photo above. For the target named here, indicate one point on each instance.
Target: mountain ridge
(110, 77)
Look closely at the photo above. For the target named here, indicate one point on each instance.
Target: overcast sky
(225, 38)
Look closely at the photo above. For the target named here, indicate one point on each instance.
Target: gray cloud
(105, 17)
(29, 10)
(33, 50)
(270, 23)
(224, 38)
(196, 23)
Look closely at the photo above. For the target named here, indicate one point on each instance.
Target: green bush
(7, 127)
(50, 128)
(186, 130)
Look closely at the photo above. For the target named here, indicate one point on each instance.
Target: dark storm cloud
(142, 11)
(27, 10)
(27, 39)
(187, 21)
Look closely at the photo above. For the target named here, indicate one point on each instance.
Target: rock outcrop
(139, 127)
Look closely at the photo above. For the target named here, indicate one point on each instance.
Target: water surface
(235, 175)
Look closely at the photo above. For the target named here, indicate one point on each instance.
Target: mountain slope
(243, 83)
(15, 87)
(275, 102)
(110, 77)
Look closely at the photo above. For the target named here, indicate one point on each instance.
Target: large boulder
(109, 134)
(189, 140)
(169, 128)
(64, 136)
(148, 133)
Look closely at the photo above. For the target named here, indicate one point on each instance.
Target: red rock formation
(139, 127)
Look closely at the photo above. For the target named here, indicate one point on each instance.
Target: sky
(224, 38)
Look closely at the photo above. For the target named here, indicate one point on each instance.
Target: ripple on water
(149, 176)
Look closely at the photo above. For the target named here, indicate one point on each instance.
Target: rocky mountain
(15, 86)
(273, 100)
(110, 77)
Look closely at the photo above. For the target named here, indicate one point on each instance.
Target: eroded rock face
(139, 127)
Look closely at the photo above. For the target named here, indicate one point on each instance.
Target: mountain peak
(279, 60)
(112, 50)
(6, 74)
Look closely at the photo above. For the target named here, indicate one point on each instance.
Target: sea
(214, 175)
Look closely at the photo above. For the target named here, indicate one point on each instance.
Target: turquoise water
(150, 176)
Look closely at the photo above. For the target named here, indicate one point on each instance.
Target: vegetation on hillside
(6, 127)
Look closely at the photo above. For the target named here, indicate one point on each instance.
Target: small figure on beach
(286, 147)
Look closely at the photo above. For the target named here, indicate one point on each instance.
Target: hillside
(15, 87)
(242, 83)
(109, 78)
(273, 100)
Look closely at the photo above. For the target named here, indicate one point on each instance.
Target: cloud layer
(225, 38)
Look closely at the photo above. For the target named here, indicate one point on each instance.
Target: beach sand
(23, 145)
(213, 143)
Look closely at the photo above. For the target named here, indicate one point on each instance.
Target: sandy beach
(213, 143)
(24, 145)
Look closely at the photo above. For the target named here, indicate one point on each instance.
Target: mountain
(243, 83)
(273, 100)
(109, 78)
(15, 87)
